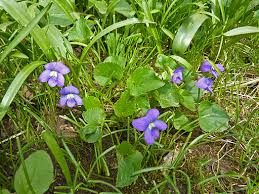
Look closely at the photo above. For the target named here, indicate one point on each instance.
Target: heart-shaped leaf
(169, 96)
(90, 133)
(143, 80)
(187, 100)
(92, 102)
(106, 72)
(129, 161)
(212, 117)
(94, 116)
(40, 174)
(125, 106)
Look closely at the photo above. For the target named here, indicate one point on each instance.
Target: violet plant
(124, 93)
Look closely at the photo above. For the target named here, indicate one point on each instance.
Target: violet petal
(44, 76)
(61, 68)
(50, 66)
(220, 67)
(148, 137)
(204, 83)
(176, 79)
(214, 73)
(152, 115)
(63, 101)
(141, 124)
(155, 133)
(205, 66)
(52, 82)
(60, 80)
(161, 125)
(179, 69)
(71, 103)
(69, 90)
(78, 100)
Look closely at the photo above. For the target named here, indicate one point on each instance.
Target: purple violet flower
(207, 67)
(53, 74)
(178, 75)
(69, 97)
(204, 83)
(150, 125)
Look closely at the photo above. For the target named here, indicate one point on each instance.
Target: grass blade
(108, 30)
(153, 30)
(182, 61)
(242, 30)
(168, 33)
(24, 32)
(20, 13)
(58, 154)
(187, 31)
(15, 86)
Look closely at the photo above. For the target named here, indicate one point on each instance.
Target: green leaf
(193, 90)
(15, 86)
(242, 30)
(252, 5)
(168, 33)
(143, 103)
(58, 154)
(4, 191)
(40, 173)
(20, 55)
(57, 40)
(125, 106)
(256, 14)
(124, 8)
(119, 60)
(182, 61)
(89, 129)
(107, 71)
(94, 116)
(187, 31)
(92, 102)
(169, 96)
(212, 117)
(180, 121)
(129, 161)
(23, 33)
(67, 6)
(80, 32)
(165, 61)
(100, 5)
(187, 100)
(90, 133)
(56, 15)
(143, 80)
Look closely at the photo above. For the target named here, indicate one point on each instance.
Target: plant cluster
(149, 96)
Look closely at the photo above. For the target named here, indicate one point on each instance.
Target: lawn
(129, 97)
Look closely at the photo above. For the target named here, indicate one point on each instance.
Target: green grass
(82, 35)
